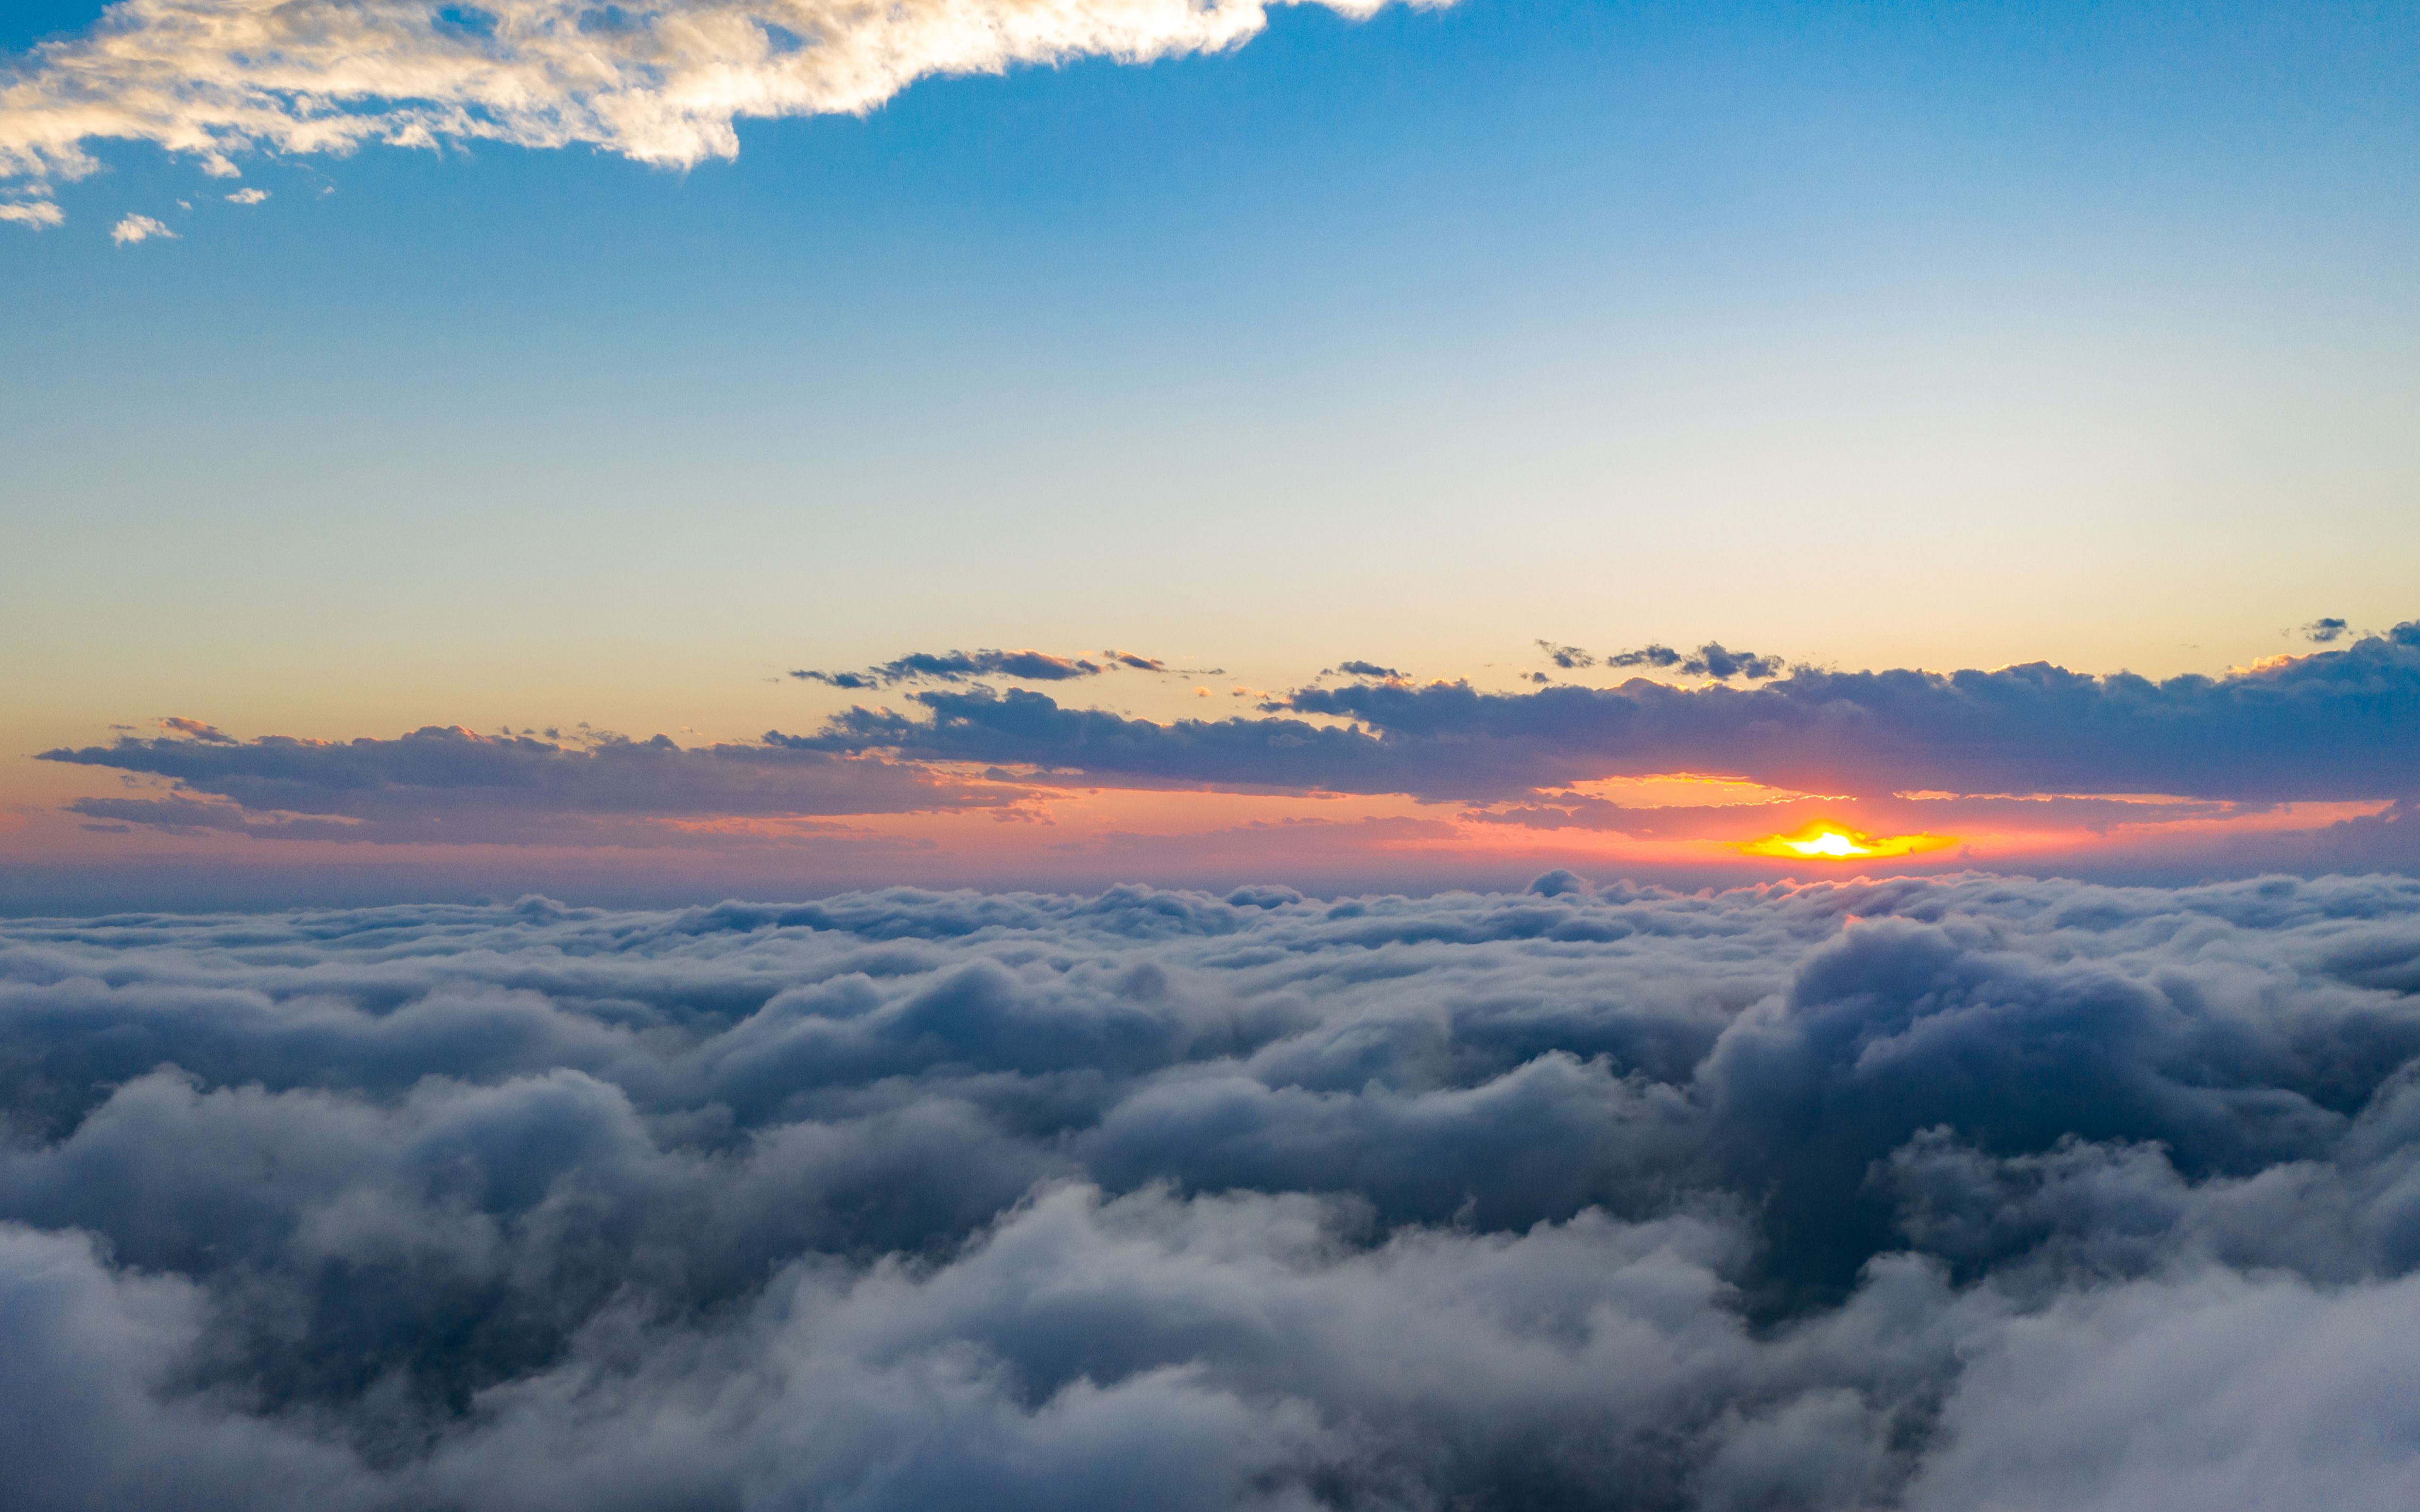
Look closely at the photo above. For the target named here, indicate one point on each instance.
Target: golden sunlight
(1825, 841)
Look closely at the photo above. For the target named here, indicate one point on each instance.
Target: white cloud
(1993, 1191)
(36, 213)
(137, 228)
(247, 197)
(660, 81)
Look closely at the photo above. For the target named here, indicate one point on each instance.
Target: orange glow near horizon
(1824, 841)
(1045, 829)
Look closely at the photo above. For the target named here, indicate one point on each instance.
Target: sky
(660, 356)
(1058, 755)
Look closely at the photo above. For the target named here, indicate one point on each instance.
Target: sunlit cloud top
(663, 83)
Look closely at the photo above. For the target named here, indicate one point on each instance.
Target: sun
(1824, 840)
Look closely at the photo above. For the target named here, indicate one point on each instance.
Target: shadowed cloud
(1938, 1194)
(2030, 748)
(2339, 724)
(451, 785)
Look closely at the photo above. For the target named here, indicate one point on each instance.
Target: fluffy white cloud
(1987, 1191)
(135, 229)
(662, 80)
(36, 213)
(247, 197)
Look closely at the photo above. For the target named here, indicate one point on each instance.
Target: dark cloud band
(452, 786)
(2336, 725)
(2333, 725)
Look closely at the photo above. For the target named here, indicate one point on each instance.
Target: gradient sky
(1867, 336)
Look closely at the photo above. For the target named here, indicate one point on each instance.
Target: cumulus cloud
(135, 228)
(1943, 1194)
(2332, 725)
(1647, 655)
(1712, 660)
(38, 213)
(1364, 668)
(1709, 660)
(2326, 631)
(451, 785)
(247, 197)
(663, 81)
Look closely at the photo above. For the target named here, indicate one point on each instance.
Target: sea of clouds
(1951, 1194)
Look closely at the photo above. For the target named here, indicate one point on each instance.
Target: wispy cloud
(662, 82)
(197, 729)
(1712, 661)
(37, 213)
(965, 665)
(247, 197)
(135, 229)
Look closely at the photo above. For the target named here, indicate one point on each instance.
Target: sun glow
(1824, 841)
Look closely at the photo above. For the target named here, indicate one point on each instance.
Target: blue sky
(1870, 334)
(1378, 755)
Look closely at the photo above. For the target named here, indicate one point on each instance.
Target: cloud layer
(2332, 725)
(2301, 764)
(1930, 1194)
(663, 83)
(446, 785)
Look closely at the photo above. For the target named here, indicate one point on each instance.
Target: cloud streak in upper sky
(663, 83)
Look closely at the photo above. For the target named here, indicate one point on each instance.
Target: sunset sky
(387, 465)
(1209, 756)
